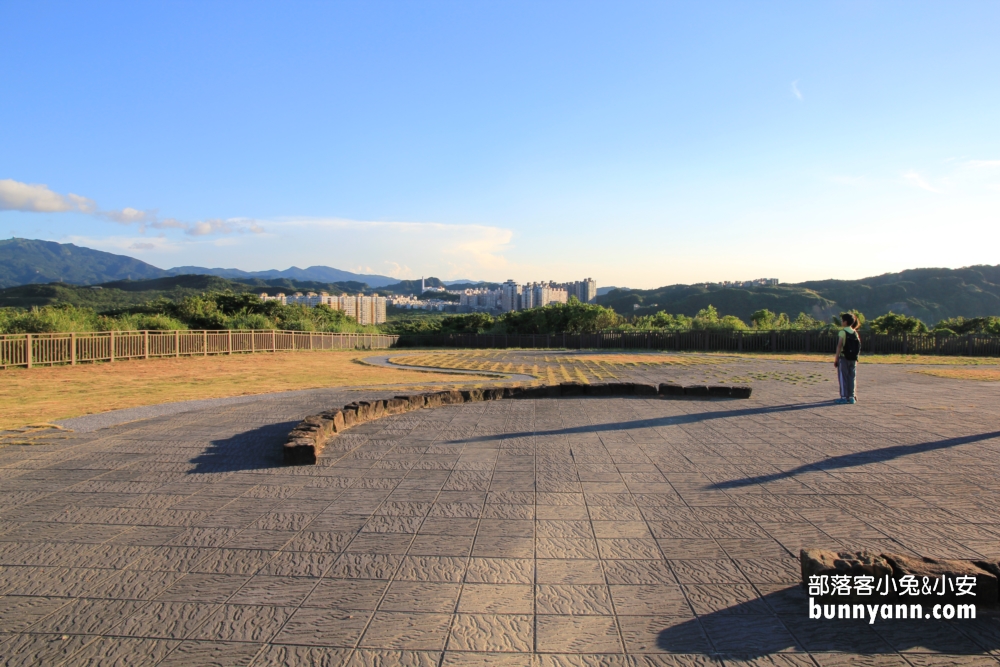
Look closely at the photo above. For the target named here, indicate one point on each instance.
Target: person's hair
(850, 320)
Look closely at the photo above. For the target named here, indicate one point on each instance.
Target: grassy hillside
(27, 261)
(689, 299)
(929, 294)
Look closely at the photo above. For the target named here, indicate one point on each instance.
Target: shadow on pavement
(256, 449)
(857, 459)
(780, 622)
(653, 423)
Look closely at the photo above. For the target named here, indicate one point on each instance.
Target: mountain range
(29, 261)
(930, 294)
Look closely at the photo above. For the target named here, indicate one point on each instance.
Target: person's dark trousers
(848, 377)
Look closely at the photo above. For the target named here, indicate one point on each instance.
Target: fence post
(739, 341)
(937, 343)
(204, 340)
(177, 343)
(229, 341)
(272, 340)
(145, 345)
(968, 345)
(807, 341)
(774, 341)
(906, 346)
(112, 344)
(27, 349)
(253, 341)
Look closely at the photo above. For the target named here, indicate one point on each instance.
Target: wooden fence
(973, 345)
(71, 348)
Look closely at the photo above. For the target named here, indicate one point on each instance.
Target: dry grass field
(41, 395)
(981, 374)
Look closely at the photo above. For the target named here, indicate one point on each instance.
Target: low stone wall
(936, 577)
(307, 439)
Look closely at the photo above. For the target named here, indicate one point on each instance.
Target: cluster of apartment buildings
(512, 296)
(365, 309)
(756, 282)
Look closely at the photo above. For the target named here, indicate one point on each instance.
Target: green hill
(929, 294)
(27, 261)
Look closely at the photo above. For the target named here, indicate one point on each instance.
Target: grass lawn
(41, 395)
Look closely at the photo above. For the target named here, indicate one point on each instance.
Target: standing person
(846, 360)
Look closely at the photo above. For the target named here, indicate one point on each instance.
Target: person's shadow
(779, 622)
(255, 449)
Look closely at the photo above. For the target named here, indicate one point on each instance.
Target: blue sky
(642, 144)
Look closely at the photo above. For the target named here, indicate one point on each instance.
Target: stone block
(598, 389)
(572, 389)
(696, 391)
(821, 561)
(493, 394)
(553, 391)
(451, 397)
(432, 400)
(395, 406)
(299, 452)
(533, 392)
(645, 389)
(741, 391)
(350, 413)
(670, 389)
(934, 568)
(621, 388)
(413, 401)
(720, 391)
(472, 395)
(513, 392)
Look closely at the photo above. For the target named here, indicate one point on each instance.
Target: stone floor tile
(649, 600)
(500, 571)
(496, 599)
(468, 659)
(326, 626)
(396, 630)
(725, 599)
(577, 634)
(208, 588)
(281, 656)
(589, 600)
(275, 591)
(88, 617)
(562, 571)
(383, 658)
(663, 634)
(222, 654)
(166, 620)
(122, 652)
(243, 623)
(17, 614)
(41, 649)
(347, 593)
(432, 568)
(492, 632)
(418, 596)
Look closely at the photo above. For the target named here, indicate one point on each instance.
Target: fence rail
(72, 348)
(30, 350)
(972, 345)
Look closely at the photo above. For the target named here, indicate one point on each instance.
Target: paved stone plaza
(618, 531)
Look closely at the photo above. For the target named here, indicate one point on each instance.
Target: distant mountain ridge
(930, 294)
(31, 262)
(320, 274)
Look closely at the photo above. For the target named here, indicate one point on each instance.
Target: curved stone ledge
(307, 440)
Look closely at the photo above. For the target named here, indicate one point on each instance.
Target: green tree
(895, 323)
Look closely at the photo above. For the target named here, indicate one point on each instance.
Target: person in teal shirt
(846, 359)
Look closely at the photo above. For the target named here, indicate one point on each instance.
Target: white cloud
(914, 178)
(984, 164)
(38, 198)
(795, 90)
